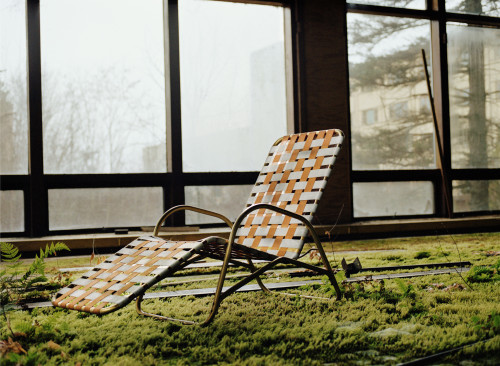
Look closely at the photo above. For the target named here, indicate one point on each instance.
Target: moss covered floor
(379, 323)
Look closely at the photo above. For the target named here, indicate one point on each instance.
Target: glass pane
(103, 86)
(479, 7)
(476, 195)
(391, 121)
(104, 207)
(474, 75)
(226, 200)
(393, 199)
(233, 84)
(11, 211)
(408, 4)
(13, 90)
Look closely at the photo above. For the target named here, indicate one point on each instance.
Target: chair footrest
(128, 273)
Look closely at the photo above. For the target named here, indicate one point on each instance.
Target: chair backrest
(293, 178)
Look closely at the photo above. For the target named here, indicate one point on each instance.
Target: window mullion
(175, 194)
(36, 195)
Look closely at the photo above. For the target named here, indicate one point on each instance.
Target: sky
(120, 44)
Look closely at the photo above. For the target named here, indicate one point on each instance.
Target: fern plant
(16, 285)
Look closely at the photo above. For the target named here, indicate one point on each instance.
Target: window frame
(441, 179)
(36, 184)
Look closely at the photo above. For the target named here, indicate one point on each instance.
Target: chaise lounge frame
(149, 259)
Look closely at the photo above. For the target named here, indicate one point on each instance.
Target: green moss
(377, 323)
(422, 254)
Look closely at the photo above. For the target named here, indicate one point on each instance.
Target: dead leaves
(53, 346)
(10, 346)
(441, 286)
(488, 253)
(314, 254)
(492, 253)
(99, 260)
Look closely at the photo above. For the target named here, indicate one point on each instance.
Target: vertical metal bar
(167, 183)
(166, 70)
(444, 176)
(441, 98)
(176, 189)
(289, 67)
(36, 194)
(297, 8)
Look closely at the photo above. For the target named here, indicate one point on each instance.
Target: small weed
(406, 289)
(14, 359)
(16, 287)
(484, 273)
(393, 258)
(490, 324)
(422, 254)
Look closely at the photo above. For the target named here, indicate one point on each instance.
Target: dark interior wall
(324, 92)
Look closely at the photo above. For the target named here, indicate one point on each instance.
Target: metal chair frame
(255, 273)
(99, 290)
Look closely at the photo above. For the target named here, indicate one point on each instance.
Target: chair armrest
(189, 208)
(282, 211)
(302, 219)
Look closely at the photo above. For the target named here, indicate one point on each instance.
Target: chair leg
(139, 299)
(160, 317)
(259, 281)
(330, 274)
(219, 295)
(218, 292)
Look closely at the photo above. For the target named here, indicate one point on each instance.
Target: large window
(474, 71)
(104, 207)
(226, 200)
(113, 111)
(396, 154)
(13, 93)
(11, 211)
(393, 199)
(386, 75)
(233, 84)
(478, 7)
(103, 86)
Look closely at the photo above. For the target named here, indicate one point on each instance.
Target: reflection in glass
(13, 92)
(103, 86)
(389, 127)
(408, 4)
(393, 199)
(104, 207)
(233, 85)
(476, 195)
(226, 200)
(11, 211)
(474, 72)
(478, 7)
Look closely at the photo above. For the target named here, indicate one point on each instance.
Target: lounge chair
(272, 228)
